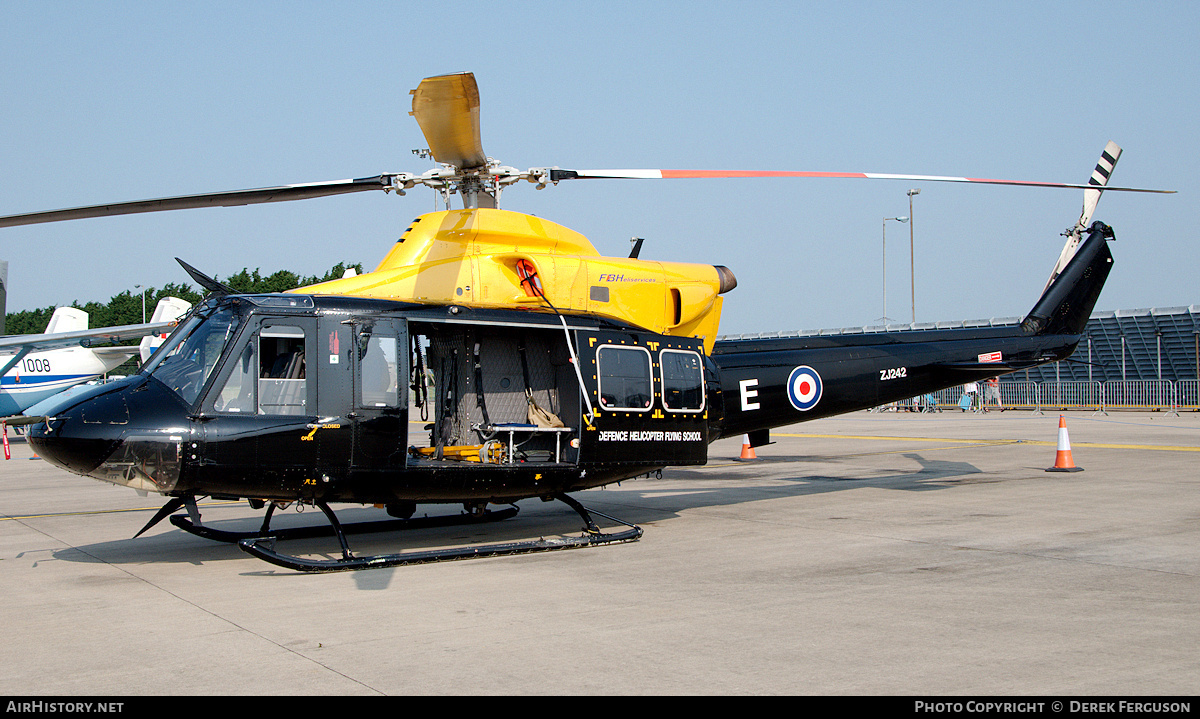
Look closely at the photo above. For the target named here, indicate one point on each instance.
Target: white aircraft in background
(35, 367)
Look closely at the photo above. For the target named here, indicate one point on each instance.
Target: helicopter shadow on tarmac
(641, 500)
(931, 474)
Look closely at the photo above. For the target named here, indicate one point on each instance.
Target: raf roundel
(804, 388)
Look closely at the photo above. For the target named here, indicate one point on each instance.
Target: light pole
(1158, 352)
(143, 294)
(885, 318)
(912, 266)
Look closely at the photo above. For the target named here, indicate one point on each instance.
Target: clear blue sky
(105, 101)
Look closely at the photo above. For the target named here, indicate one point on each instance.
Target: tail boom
(776, 382)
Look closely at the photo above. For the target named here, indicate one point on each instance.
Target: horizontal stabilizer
(123, 352)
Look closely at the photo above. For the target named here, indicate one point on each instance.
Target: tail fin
(1066, 305)
(67, 319)
(169, 309)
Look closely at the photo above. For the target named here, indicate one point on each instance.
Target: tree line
(126, 308)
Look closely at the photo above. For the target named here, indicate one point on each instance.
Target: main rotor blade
(211, 199)
(556, 175)
(447, 109)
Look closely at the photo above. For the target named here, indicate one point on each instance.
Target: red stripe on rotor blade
(683, 174)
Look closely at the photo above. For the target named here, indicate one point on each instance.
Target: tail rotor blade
(1091, 197)
(1104, 168)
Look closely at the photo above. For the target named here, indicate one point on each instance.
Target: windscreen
(192, 353)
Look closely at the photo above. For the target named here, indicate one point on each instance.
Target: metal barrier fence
(1073, 395)
(1187, 394)
(1013, 395)
(1021, 395)
(1152, 395)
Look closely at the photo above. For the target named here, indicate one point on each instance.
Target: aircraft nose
(64, 446)
(81, 432)
(94, 435)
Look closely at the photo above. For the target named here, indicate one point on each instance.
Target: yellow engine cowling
(491, 258)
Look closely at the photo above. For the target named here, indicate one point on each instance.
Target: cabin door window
(380, 419)
(379, 384)
(682, 381)
(624, 375)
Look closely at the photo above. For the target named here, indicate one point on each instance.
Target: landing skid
(264, 548)
(184, 522)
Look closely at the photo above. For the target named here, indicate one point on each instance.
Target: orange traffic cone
(747, 450)
(1062, 459)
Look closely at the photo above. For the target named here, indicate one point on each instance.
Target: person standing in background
(993, 393)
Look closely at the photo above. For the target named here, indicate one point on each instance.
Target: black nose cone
(130, 432)
(83, 429)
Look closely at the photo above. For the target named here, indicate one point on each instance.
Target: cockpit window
(282, 388)
(189, 357)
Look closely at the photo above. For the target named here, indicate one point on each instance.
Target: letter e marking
(744, 387)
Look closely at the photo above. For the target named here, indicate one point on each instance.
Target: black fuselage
(337, 399)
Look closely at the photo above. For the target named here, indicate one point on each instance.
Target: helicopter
(539, 367)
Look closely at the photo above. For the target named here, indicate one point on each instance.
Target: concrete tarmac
(881, 554)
